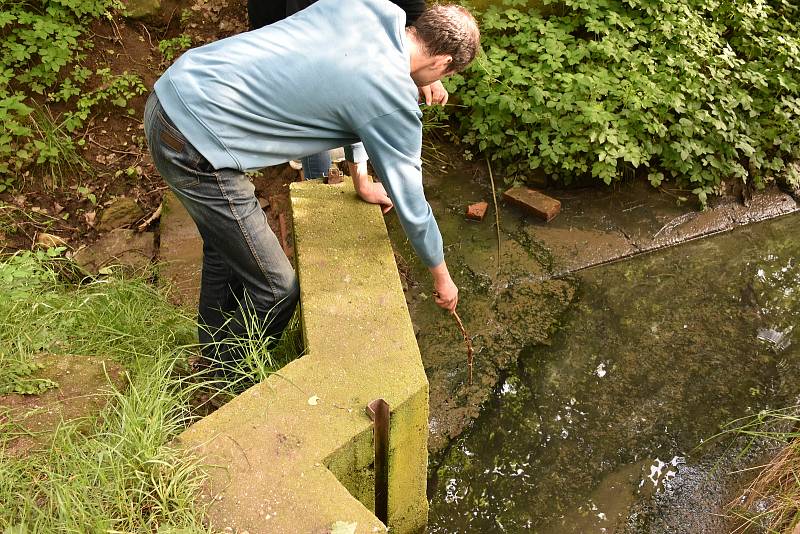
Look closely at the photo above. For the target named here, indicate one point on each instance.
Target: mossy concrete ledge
(295, 454)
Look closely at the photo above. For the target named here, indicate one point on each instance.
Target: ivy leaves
(699, 92)
(40, 41)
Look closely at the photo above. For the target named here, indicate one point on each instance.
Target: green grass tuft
(771, 503)
(118, 471)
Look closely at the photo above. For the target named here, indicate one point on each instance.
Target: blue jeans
(316, 165)
(248, 286)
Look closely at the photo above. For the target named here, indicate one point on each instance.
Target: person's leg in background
(316, 165)
(263, 12)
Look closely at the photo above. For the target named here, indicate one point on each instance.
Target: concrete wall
(295, 454)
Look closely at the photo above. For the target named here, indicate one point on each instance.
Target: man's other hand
(369, 191)
(434, 93)
(374, 193)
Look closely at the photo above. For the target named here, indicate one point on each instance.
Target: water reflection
(598, 433)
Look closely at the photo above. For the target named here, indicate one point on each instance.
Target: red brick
(477, 211)
(533, 201)
(334, 176)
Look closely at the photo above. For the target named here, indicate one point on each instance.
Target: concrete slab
(180, 253)
(119, 247)
(83, 386)
(295, 453)
(597, 226)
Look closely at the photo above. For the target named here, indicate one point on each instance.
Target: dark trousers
(248, 286)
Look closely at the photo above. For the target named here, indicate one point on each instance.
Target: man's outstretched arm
(445, 291)
(394, 144)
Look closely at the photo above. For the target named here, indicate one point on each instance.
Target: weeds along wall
(42, 53)
(700, 92)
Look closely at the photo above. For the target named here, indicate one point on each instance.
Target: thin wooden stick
(468, 341)
(156, 214)
(496, 214)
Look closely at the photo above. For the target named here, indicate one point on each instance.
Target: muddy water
(599, 431)
(506, 306)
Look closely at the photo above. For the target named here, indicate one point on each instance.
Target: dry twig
(496, 214)
(104, 147)
(156, 214)
(468, 342)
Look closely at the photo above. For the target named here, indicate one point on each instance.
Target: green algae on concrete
(294, 453)
(353, 466)
(510, 310)
(648, 364)
(505, 309)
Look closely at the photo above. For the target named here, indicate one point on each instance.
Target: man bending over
(294, 88)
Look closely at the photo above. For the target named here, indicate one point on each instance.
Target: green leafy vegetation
(41, 63)
(171, 48)
(22, 274)
(257, 356)
(15, 376)
(55, 148)
(698, 92)
(120, 474)
(116, 89)
(26, 272)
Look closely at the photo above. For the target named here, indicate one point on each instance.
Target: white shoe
(337, 154)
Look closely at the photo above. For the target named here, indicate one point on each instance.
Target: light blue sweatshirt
(330, 75)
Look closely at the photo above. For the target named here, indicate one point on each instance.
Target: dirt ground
(70, 204)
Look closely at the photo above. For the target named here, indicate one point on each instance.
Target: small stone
(123, 211)
(477, 211)
(337, 155)
(118, 247)
(180, 253)
(137, 9)
(44, 240)
(334, 176)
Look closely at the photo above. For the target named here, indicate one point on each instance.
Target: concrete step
(180, 253)
(296, 452)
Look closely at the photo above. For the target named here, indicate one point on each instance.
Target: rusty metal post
(378, 411)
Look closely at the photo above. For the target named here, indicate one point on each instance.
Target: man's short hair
(449, 29)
